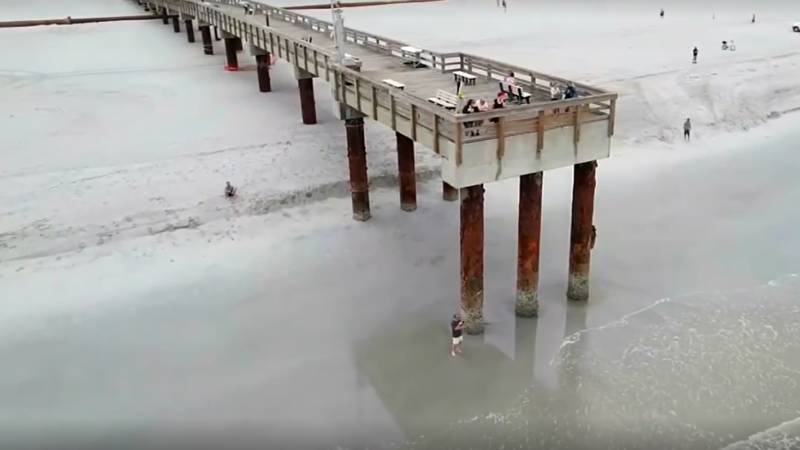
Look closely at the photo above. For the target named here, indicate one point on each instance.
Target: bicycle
(727, 46)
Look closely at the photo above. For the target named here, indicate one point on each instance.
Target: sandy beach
(138, 306)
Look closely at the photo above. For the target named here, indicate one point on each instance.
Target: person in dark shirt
(457, 328)
(230, 191)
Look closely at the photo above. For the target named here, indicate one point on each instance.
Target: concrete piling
(165, 19)
(583, 186)
(449, 193)
(205, 34)
(231, 58)
(176, 24)
(308, 106)
(406, 172)
(216, 34)
(357, 161)
(262, 70)
(189, 30)
(529, 233)
(472, 258)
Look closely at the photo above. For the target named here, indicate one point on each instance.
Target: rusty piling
(472, 258)
(189, 30)
(357, 161)
(176, 24)
(406, 172)
(449, 193)
(262, 70)
(205, 35)
(231, 58)
(583, 186)
(529, 233)
(308, 107)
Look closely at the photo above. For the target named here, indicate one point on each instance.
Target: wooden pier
(393, 83)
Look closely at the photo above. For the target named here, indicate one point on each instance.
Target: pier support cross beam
(406, 172)
(529, 232)
(357, 162)
(472, 258)
(581, 231)
(449, 193)
(205, 34)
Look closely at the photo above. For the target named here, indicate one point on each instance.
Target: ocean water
(705, 370)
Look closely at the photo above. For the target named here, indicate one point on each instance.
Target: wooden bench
(395, 84)
(411, 56)
(468, 78)
(515, 92)
(445, 99)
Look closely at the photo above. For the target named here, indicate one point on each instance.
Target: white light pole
(338, 30)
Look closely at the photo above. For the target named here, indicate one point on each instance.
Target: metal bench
(445, 99)
(395, 84)
(467, 78)
(515, 92)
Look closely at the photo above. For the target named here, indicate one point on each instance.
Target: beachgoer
(687, 130)
(230, 191)
(504, 6)
(457, 330)
(662, 13)
(694, 55)
(510, 79)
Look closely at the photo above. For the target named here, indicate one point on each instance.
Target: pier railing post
(528, 235)
(472, 258)
(581, 231)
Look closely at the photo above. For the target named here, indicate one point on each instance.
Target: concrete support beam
(205, 34)
(472, 258)
(231, 58)
(406, 172)
(216, 34)
(529, 232)
(308, 106)
(583, 186)
(449, 193)
(189, 30)
(176, 24)
(357, 162)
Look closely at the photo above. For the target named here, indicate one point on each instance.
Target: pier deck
(522, 139)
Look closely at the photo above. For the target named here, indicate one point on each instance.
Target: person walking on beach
(457, 328)
(687, 130)
(505, 8)
(662, 13)
(694, 55)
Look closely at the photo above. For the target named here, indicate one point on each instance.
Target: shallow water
(699, 371)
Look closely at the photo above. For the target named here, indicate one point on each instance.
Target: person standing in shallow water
(687, 130)
(694, 55)
(457, 328)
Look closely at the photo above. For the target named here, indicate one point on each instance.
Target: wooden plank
(374, 102)
(414, 122)
(576, 130)
(358, 93)
(393, 111)
(436, 135)
(305, 58)
(540, 132)
(611, 118)
(501, 138)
